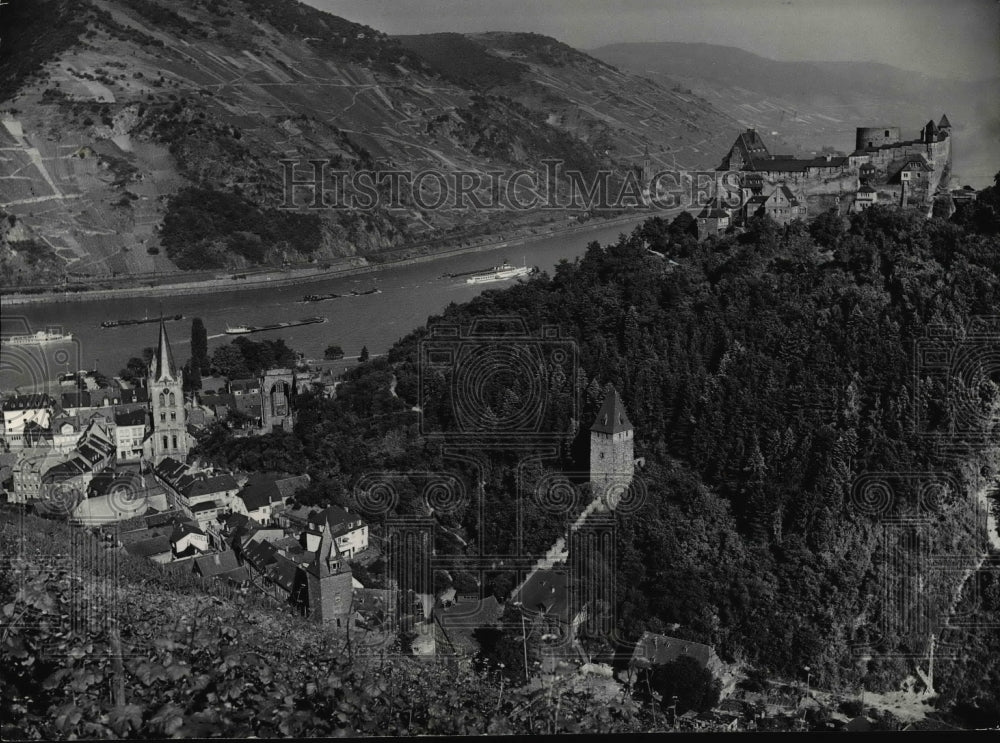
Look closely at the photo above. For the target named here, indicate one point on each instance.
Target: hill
(148, 137)
(772, 381)
(818, 104)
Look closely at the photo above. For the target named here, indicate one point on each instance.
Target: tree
(199, 346)
(333, 352)
(685, 678)
(192, 376)
(364, 354)
(229, 362)
(135, 368)
(501, 648)
(827, 229)
(684, 225)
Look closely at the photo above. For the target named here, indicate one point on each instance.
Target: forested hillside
(767, 374)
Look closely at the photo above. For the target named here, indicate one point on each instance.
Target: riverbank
(277, 279)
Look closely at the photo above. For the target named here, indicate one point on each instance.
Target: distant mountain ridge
(819, 104)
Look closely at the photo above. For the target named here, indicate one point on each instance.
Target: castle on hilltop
(882, 169)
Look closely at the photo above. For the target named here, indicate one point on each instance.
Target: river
(409, 294)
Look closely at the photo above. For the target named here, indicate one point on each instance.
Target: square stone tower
(329, 582)
(612, 460)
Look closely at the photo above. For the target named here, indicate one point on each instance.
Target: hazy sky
(959, 38)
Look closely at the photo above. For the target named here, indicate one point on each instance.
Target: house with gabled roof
(221, 565)
(656, 650)
(909, 170)
(264, 493)
(156, 548)
(780, 204)
(348, 529)
(187, 539)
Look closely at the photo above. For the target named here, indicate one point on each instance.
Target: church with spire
(168, 435)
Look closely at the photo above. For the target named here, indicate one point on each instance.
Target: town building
(265, 494)
(25, 411)
(199, 495)
(656, 650)
(65, 484)
(188, 539)
(780, 205)
(221, 565)
(130, 433)
(349, 531)
(712, 220)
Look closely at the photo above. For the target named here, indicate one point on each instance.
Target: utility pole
(524, 645)
(930, 668)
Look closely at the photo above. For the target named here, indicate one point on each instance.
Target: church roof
(612, 418)
(163, 367)
(944, 122)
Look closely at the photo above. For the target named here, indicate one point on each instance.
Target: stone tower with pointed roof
(329, 581)
(612, 460)
(169, 435)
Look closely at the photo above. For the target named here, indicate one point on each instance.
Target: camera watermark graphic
(314, 184)
(469, 546)
(956, 400)
(921, 576)
(495, 382)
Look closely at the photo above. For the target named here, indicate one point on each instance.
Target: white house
(20, 411)
(130, 432)
(187, 539)
(349, 531)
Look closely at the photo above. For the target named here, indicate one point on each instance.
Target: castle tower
(612, 461)
(329, 582)
(166, 395)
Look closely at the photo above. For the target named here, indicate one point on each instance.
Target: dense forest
(768, 375)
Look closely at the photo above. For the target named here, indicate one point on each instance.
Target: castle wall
(875, 136)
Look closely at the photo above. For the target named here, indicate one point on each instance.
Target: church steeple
(166, 399)
(163, 368)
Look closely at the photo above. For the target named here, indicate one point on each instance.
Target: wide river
(409, 294)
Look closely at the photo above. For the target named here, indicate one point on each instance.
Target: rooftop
(28, 402)
(130, 418)
(611, 418)
(149, 547)
(216, 563)
(654, 649)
